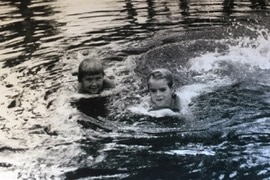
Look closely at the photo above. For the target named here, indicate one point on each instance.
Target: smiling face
(160, 93)
(93, 83)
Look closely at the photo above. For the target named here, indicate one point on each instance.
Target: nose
(94, 83)
(159, 93)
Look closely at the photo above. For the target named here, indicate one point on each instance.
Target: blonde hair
(161, 73)
(89, 67)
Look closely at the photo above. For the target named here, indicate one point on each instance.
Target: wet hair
(161, 74)
(89, 67)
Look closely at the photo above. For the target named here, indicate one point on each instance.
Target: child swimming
(160, 85)
(92, 78)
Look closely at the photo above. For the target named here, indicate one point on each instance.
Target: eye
(153, 90)
(89, 79)
(163, 89)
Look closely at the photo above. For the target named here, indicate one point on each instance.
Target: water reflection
(150, 10)
(34, 33)
(26, 32)
(258, 3)
(131, 12)
(138, 20)
(228, 5)
(184, 5)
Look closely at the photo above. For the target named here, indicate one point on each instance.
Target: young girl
(91, 77)
(160, 84)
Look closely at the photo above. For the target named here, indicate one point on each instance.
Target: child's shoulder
(177, 103)
(108, 83)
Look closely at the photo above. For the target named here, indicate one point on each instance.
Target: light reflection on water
(43, 42)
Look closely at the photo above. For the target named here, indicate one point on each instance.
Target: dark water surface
(219, 52)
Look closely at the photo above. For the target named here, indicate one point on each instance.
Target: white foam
(190, 152)
(247, 59)
(188, 92)
(252, 52)
(157, 113)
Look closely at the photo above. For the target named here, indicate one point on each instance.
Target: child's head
(160, 86)
(91, 76)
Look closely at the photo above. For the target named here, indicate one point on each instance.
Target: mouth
(93, 89)
(159, 100)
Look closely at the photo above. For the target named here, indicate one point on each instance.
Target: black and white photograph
(134, 89)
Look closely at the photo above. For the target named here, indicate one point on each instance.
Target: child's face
(160, 92)
(93, 83)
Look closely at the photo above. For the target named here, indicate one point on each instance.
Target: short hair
(161, 73)
(89, 67)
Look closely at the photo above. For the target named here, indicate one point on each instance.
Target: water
(218, 50)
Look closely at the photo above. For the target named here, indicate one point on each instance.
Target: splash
(48, 125)
(157, 113)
